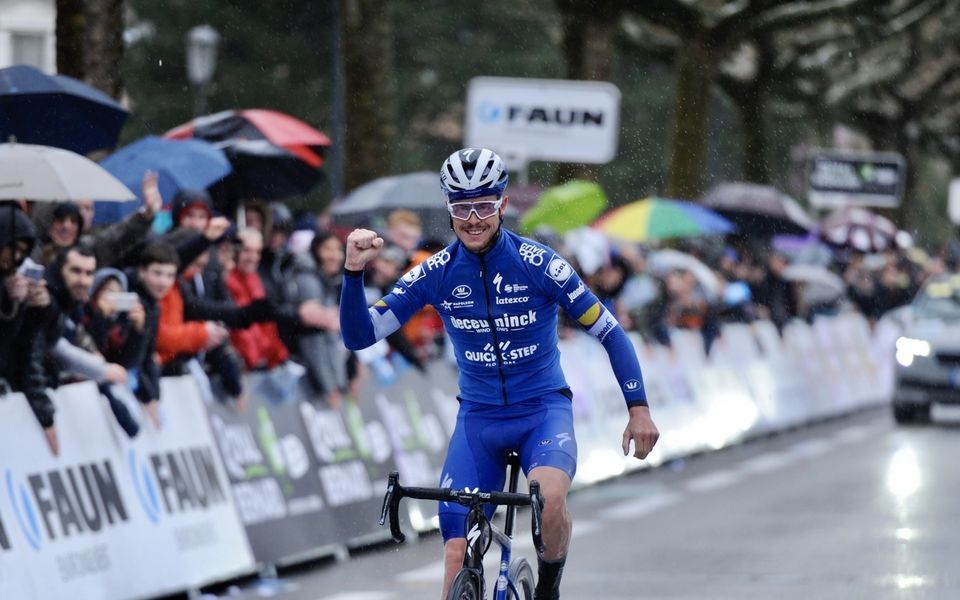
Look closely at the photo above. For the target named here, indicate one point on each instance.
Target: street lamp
(202, 43)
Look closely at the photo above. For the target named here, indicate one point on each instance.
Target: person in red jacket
(177, 337)
(260, 344)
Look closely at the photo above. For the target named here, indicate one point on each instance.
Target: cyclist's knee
(454, 548)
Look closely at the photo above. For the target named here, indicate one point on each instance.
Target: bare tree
(367, 38)
(90, 42)
(587, 46)
(711, 33)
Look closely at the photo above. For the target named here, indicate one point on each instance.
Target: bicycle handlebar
(395, 492)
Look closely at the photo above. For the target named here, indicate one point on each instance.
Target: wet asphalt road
(856, 507)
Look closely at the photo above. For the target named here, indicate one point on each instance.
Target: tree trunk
(587, 48)
(689, 149)
(70, 31)
(104, 46)
(755, 165)
(367, 34)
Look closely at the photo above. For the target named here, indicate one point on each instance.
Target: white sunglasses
(484, 210)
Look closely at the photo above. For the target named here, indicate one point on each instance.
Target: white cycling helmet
(472, 173)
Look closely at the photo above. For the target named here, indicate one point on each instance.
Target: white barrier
(753, 382)
(126, 519)
(111, 517)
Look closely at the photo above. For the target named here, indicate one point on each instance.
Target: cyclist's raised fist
(362, 246)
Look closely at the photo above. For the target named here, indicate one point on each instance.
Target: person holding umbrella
(24, 309)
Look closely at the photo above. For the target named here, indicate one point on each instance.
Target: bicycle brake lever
(536, 508)
(391, 504)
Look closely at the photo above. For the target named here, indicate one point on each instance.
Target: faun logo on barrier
(4, 540)
(146, 489)
(71, 500)
(186, 479)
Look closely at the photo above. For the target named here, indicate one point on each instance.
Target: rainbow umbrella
(660, 219)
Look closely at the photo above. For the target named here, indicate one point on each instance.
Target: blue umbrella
(55, 110)
(192, 164)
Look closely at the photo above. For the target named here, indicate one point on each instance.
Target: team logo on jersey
(398, 291)
(413, 275)
(577, 292)
(509, 288)
(508, 355)
(631, 385)
(450, 306)
(559, 270)
(462, 291)
(438, 260)
(532, 254)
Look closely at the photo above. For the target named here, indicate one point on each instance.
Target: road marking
(431, 572)
(766, 463)
(360, 596)
(713, 481)
(641, 507)
(813, 447)
(855, 433)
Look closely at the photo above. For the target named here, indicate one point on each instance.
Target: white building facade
(27, 34)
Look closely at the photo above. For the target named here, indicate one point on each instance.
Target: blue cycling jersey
(500, 310)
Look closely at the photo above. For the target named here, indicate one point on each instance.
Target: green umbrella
(565, 207)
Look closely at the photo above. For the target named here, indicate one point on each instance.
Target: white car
(928, 351)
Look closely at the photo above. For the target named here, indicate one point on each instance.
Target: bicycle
(515, 579)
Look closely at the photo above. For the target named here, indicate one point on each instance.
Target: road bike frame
(480, 531)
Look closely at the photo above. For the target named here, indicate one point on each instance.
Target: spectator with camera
(24, 312)
(115, 319)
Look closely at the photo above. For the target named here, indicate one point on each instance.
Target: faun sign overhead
(544, 119)
(839, 179)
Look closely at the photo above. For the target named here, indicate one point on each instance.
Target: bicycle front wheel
(466, 586)
(522, 577)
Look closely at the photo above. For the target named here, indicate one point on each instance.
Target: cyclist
(498, 295)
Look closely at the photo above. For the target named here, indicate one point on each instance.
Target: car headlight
(910, 348)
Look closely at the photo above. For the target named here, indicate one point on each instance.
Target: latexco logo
(69, 501)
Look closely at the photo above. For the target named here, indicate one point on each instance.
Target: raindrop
(160, 63)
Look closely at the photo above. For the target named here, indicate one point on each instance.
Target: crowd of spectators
(123, 305)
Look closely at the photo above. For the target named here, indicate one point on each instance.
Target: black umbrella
(261, 171)
(759, 209)
(54, 110)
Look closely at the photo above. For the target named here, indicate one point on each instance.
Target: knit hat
(14, 226)
(102, 276)
(191, 198)
(68, 210)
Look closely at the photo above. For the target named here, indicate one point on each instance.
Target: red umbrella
(278, 128)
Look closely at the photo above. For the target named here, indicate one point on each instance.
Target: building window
(28, 49)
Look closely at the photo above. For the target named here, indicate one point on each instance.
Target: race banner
(112, 517)
(274, 477)
(354, 456)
